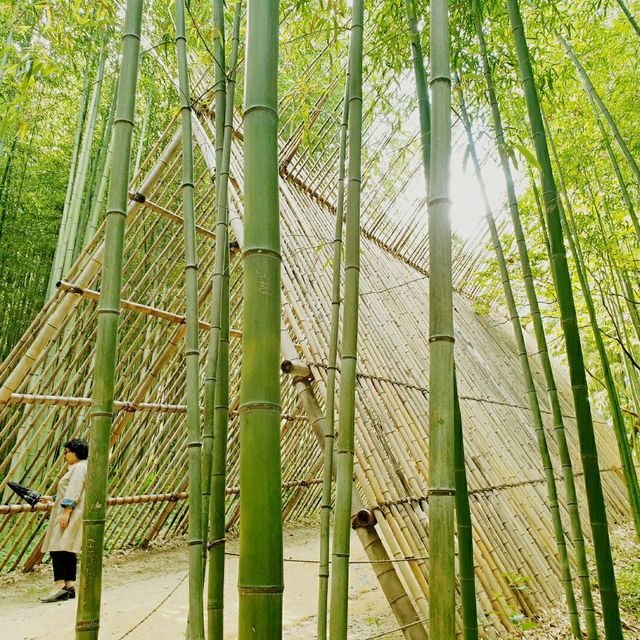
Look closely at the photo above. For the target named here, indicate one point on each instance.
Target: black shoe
(58, 596)
(71, 591)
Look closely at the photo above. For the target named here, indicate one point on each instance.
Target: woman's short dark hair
(78, 446)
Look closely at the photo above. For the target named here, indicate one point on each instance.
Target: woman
(63, 539)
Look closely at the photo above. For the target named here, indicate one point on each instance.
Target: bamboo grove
(231, 255)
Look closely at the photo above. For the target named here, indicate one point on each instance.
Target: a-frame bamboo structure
(45, 392)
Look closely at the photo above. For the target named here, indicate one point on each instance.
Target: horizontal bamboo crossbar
(70, 287)
(482, 490)
(9, 509)
(119, 405)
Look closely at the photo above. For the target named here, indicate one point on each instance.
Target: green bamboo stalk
(220, 87)
(77, 194)
(629, 15)
(329, 435)
(616, 168)
(88, 613)
(216, 545)
(441, 339)
(56, 267)
(541, 340)
(534, 404)
(106, 151)
(626, 460)
(626, 457)
(346, 429)
(422, 92)
(260, 579)
(593, 94)
(192, 350)
(586, 436)
(143, 135)
(465, 534)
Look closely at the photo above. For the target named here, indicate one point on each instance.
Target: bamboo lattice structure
(45, 392)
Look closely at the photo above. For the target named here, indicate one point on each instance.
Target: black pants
(64, 565)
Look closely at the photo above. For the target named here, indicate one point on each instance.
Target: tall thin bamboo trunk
(632, 21)
(143, 135)
(260, 579)
(88, 612)
(56, 267)
(104, 166)
(541, 341)
(626, 459)
(329, 435)
(77, 194)
(593, 94)
(586, 436)
(221, 399)
(534, 404)
(192, 349)
(441, 490)
(464, 527)
(346, 433)
(616, 169)
(220, 86)
(424, 108)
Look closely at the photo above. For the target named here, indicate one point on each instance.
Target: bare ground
(145, 597)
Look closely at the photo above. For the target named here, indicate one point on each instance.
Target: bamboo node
(441, 338)
(262, 589)
(441, 492)
(216, 542)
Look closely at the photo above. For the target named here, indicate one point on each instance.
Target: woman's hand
(64, 518)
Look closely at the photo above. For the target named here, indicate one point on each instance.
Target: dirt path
(134, 586)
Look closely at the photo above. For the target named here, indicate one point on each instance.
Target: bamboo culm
(626, 459)
(593, 94)
(88, 612)
(345, 443)
(102, 174)
(586, 435)
(221, 230)
(329, 436)
(465, 532)
(260, 574)
(532, 394)
(215, 601)
(441, 339)
(192, 349)
(58, 257)
(77, 193)
(541, 341)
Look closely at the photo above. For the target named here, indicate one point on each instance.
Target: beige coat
(70, 490)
